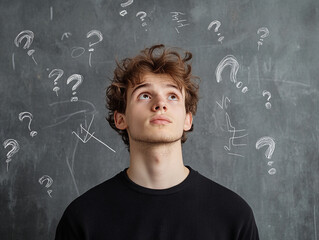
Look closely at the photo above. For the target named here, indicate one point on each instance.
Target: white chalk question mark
(266, 34)
(79, 79)
(231, 61)
(270, 142)
(124, 12)
(267, 104)
(58, 73)
(218, 24)
(23, 115)
(142, 17)
(48, 184)
(100, 38)
(14, 150)
(29, 36)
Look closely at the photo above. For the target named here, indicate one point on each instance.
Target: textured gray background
(285, 204)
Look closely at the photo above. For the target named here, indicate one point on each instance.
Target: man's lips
(160, 120)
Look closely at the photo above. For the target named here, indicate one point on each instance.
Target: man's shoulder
(221, 196)
(100, 193)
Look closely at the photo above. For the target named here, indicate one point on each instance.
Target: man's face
(155, 111)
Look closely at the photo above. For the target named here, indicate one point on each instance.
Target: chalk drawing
(79, 79)
(232, 129)
(24, 115)
(15, 148)
(123, 5)
(129, 2)
(13, 62)
(223, 103)
(78, 51)
(270, 142)
(48, 184)
(28, 36)
(91, 135)
(65, 117)
(231, 61)
(266, 34)
(51, 13)
(142, 17)
(66, 34)
(179, 17)
(99, 35)
(267, 104)
(218, 24)
(58, 73)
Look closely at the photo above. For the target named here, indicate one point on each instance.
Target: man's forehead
(149, 80)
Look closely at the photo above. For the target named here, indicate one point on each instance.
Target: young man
(151, 101)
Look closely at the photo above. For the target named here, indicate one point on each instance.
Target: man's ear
(188, 121)
(120, 120)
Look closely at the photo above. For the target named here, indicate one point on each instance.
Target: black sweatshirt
(119, 209)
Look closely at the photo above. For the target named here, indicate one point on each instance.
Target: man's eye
(144, 96)
(173, 97)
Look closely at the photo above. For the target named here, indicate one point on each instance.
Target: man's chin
(157, 139)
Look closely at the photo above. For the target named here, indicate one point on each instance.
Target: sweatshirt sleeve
(249, 230)
(69, 228)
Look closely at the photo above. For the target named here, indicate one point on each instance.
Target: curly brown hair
(158, 60)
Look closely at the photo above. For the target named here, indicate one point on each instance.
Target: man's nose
(159, 104)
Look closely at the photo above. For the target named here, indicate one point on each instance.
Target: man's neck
(156, 166)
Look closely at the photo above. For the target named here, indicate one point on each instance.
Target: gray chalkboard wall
(256, 129)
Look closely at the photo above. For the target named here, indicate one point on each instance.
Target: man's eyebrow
(140, 86)
(174, 86)
(148, 85)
